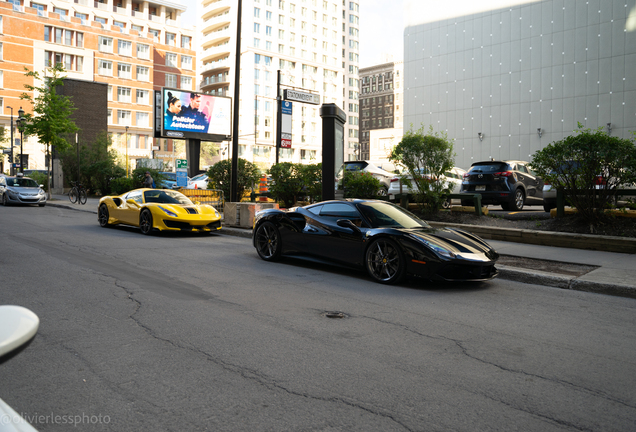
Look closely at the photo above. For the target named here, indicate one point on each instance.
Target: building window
(124, 47)
(186, 42)
(171, 39)
(143, 73)
(186, 82)
(257, 28)
(171, 59)
(124, 70)
(268, 30)
(105, 44)
(143, 51)
(143, 97)
(142, 119)
(123, 94)
(186, 62)
(123, 117)
(105, 67)
(257, 12)
(171, 80)
(155, 34)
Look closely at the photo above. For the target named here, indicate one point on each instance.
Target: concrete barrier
(242, 214)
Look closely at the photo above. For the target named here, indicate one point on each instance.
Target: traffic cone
(196, 186)
(263, 188)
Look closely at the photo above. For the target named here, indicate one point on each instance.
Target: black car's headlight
(441, 250)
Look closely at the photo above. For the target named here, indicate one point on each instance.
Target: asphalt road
(196, 333)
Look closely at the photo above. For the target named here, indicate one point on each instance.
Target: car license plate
(480, 188)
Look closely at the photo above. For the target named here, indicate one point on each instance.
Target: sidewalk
(609, 272)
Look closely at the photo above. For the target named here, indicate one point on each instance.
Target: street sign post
(182, 172)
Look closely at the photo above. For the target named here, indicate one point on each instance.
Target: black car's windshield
(382, 215)
(21, 182)
(166, 197)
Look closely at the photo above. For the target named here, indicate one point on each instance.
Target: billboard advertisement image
(188, 114)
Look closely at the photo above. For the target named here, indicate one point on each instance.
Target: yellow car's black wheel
(145, 222)
(103, 216)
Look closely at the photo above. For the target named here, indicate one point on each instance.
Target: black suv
(510, 184)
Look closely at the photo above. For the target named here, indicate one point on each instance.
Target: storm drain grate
(333, 314)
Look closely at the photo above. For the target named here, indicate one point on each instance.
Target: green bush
(287, 182)
(360, 184)
(312, 181)
(121, 185)
(220, 176)
(576, 162)
(40, 178)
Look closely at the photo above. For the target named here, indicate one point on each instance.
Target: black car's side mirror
(346, 223)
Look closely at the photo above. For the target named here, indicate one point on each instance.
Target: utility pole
(12, 143)
(234, 195)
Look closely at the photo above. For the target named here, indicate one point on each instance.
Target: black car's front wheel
(384, 261)
(268, 242)
(145, 222)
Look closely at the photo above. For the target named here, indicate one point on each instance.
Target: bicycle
(77, 193)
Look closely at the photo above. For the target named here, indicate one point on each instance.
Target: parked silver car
(21, 190)
(377, 172)
(453, 177)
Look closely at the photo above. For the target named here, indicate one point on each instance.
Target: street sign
(298, 96)
(155, 148)
(286, 125)
(182, 163)
(6, 151)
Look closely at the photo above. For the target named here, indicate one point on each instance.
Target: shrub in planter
(360, 184)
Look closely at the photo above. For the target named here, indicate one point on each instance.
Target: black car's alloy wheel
(268, 242)
(103, 216)
(145, 222)
(384, 261)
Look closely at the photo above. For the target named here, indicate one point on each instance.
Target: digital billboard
(186, 114)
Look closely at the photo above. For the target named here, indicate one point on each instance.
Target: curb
(538, 277)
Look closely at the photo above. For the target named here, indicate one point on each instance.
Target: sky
(381, 29)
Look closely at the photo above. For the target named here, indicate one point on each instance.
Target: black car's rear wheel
(145, 222)
(103, 216)
(384, 261)
(268, 242)
(519, 200)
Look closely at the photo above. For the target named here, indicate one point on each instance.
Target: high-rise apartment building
(134, 46)
(382, 110)
(315, 45)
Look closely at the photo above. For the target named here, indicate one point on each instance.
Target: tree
(50, 120)
(589, 166)
(426, 157)
(99, 165)
(312, 179)
(219, 176)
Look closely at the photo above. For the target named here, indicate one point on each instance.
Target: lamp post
(20, 126)
(126, 151)
(11, 146)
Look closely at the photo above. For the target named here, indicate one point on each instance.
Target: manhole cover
(335, 315)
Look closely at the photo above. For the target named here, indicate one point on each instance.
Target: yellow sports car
(157, 210)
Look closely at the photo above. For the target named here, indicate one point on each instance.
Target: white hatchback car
(454, 176)
(199, 181)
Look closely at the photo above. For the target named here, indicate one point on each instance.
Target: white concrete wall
(506, 72)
